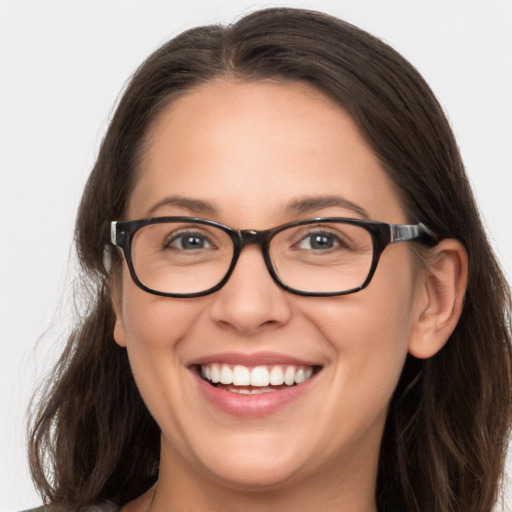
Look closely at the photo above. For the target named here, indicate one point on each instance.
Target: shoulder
(107, 506)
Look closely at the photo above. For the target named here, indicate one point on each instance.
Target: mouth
(247, 380)
(254, 385)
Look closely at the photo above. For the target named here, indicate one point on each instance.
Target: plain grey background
(62, 66)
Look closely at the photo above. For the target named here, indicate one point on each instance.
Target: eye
(188, 241)
(320, 241)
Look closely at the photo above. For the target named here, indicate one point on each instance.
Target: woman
(358, 359)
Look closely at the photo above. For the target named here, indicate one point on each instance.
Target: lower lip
(260, 404)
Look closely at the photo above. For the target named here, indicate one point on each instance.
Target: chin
(264, 459)
(256, 475)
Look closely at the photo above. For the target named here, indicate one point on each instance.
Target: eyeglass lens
(188, 257)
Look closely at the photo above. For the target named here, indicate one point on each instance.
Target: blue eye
(319, 241)
(189, 242)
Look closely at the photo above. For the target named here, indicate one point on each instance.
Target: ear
(439, 298)
(115, 287)
(119, 333)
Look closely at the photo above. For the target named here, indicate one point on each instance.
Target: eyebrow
(296, 206)
(192, 205)
(309, 204)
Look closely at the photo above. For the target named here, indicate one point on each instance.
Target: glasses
(322, 257)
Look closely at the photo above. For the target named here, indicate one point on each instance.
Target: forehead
(251, 148)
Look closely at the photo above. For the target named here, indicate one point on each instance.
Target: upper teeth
(260, 376)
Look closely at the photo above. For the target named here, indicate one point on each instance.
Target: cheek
(370, 345)
(152, 322)
(368, 335)
(154, 329)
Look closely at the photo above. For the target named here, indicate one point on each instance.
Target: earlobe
(440, 298)
(119, 334)
(115, 297)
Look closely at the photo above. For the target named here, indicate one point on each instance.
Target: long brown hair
(446, 435)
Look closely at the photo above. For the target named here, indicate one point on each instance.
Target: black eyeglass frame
(382, 234)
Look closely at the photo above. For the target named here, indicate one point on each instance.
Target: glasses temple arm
(408, 232)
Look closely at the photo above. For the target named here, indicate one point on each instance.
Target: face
(241, 154)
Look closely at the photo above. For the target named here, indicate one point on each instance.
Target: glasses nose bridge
(252, 236)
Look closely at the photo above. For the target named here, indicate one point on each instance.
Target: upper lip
(255, 359)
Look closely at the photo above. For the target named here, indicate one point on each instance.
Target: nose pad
(251, 299)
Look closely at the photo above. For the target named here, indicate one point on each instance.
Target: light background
(62, 65)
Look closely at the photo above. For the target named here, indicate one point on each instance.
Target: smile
(258, 379)
(253, 385)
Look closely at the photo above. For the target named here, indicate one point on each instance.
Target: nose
(251, 301)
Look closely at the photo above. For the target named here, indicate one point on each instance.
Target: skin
(249, 149)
